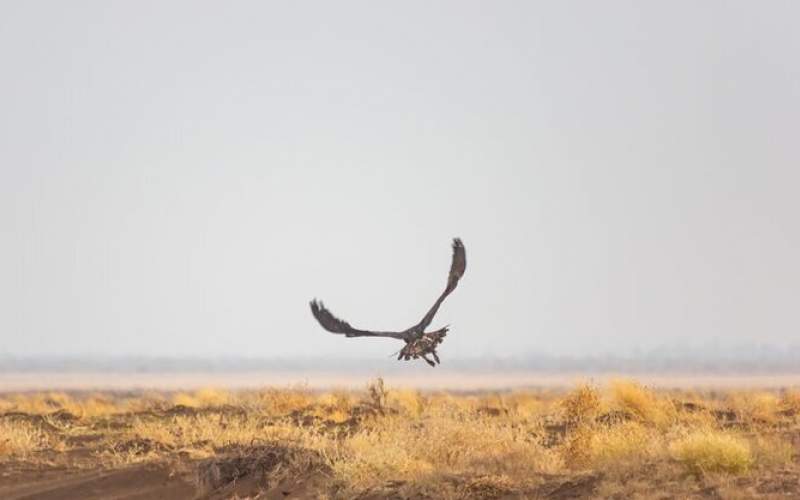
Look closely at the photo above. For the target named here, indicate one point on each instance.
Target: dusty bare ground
(621, 441)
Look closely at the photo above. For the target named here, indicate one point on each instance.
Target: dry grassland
(620, 441)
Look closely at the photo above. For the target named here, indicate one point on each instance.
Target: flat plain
(602, 438)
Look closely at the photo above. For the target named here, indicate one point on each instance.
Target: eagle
(419, 343)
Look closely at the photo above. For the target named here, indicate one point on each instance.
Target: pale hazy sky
(181, 178)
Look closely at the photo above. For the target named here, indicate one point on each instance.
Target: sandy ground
(441, 379)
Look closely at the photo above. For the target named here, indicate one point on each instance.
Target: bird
(419, 343)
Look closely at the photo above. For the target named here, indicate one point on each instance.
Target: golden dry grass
(19, 438)
(621, 445)
(441, 444)
(582, 404)
(713, 451)
(643, 403)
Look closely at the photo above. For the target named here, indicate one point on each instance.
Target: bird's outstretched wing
(457, 268)
(336, 325)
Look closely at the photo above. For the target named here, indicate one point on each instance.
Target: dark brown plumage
(418, 343)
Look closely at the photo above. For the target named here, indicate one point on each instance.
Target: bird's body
(418, 343)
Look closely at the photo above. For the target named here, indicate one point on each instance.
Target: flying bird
(419, 343)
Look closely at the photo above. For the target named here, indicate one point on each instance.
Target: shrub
(643, 403)
(20, 438)
(755, 407)
(713, 451)
(582, 404)
(620, 444)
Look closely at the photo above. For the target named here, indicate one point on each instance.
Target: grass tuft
(19, 438)
(643, 403)
(713, 451)
(582, 404)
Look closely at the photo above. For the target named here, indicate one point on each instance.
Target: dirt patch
(133, 483)
(782, 483)
(188, 411)
(486, 487)
(248, 471)
(576, 487)
(614, 417)
(140, 446)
